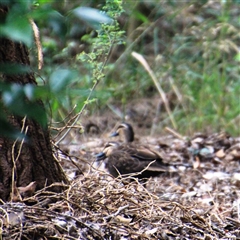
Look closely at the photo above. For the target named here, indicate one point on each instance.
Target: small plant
(108, 35)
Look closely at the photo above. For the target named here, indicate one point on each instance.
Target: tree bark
(23, 163)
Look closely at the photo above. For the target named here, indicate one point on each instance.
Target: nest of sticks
(96, 206)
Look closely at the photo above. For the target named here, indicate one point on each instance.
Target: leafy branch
(107, 37)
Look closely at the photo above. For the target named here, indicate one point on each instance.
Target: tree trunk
(21, 164)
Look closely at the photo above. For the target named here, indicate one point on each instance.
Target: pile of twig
(97, 206)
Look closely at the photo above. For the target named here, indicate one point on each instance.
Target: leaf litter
(198, 201)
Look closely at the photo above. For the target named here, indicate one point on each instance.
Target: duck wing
(125, 162)
(144, 154)
(122, 162)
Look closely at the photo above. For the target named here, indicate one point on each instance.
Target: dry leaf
(14, 218)
(220, 153)
(123, 219)
(196, 163)
(235, 154)
(28, 190)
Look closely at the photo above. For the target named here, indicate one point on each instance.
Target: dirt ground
(198, 199)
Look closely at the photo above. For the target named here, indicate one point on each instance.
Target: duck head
(125, 131)
(107, 150)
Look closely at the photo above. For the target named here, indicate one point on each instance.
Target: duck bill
(114, 134)
(100, 156)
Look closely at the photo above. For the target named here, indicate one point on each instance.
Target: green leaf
(18, 6)
(29, 90)
(237, 57)
(17, 28)
(13, 69)
(4, 86)
(92, 16)
(14, 98)
(141, 16)
(45, 1)
(57, 22)
(35, 111)
(41, 92)
(32, 110)
(60, 78)
(13, 94)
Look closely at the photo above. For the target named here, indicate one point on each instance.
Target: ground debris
(200, 201)
(98, 207)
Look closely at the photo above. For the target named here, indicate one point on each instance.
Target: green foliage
(91, 16)
(60, 79)
(16, 25)
(192, 47)
(58, 87)
(108, 35)
(12, 69)
(194, 51)
(22, 100)
(206, 71)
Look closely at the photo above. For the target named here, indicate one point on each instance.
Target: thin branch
(88, 98)
(144, 63)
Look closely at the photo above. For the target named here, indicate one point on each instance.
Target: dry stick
(79, 114)
(6, 218)
(236, 222)
(88, 98)
(70, 157)
(142, 60)
(18, 155)
(117, 212)
(130, 175)
(174, 133)
(52, 214)
(65, 119)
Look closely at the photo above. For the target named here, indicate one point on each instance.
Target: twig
(117, 212)
(174, 133)
(14, 160)
(144, 63)
(88, 98)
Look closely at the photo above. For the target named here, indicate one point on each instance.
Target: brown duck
(127, 158)
(124, 159)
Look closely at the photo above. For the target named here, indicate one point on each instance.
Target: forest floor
(198, 199)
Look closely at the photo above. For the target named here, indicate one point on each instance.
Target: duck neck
(129, 137)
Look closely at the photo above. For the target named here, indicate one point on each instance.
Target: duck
(141, 161)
